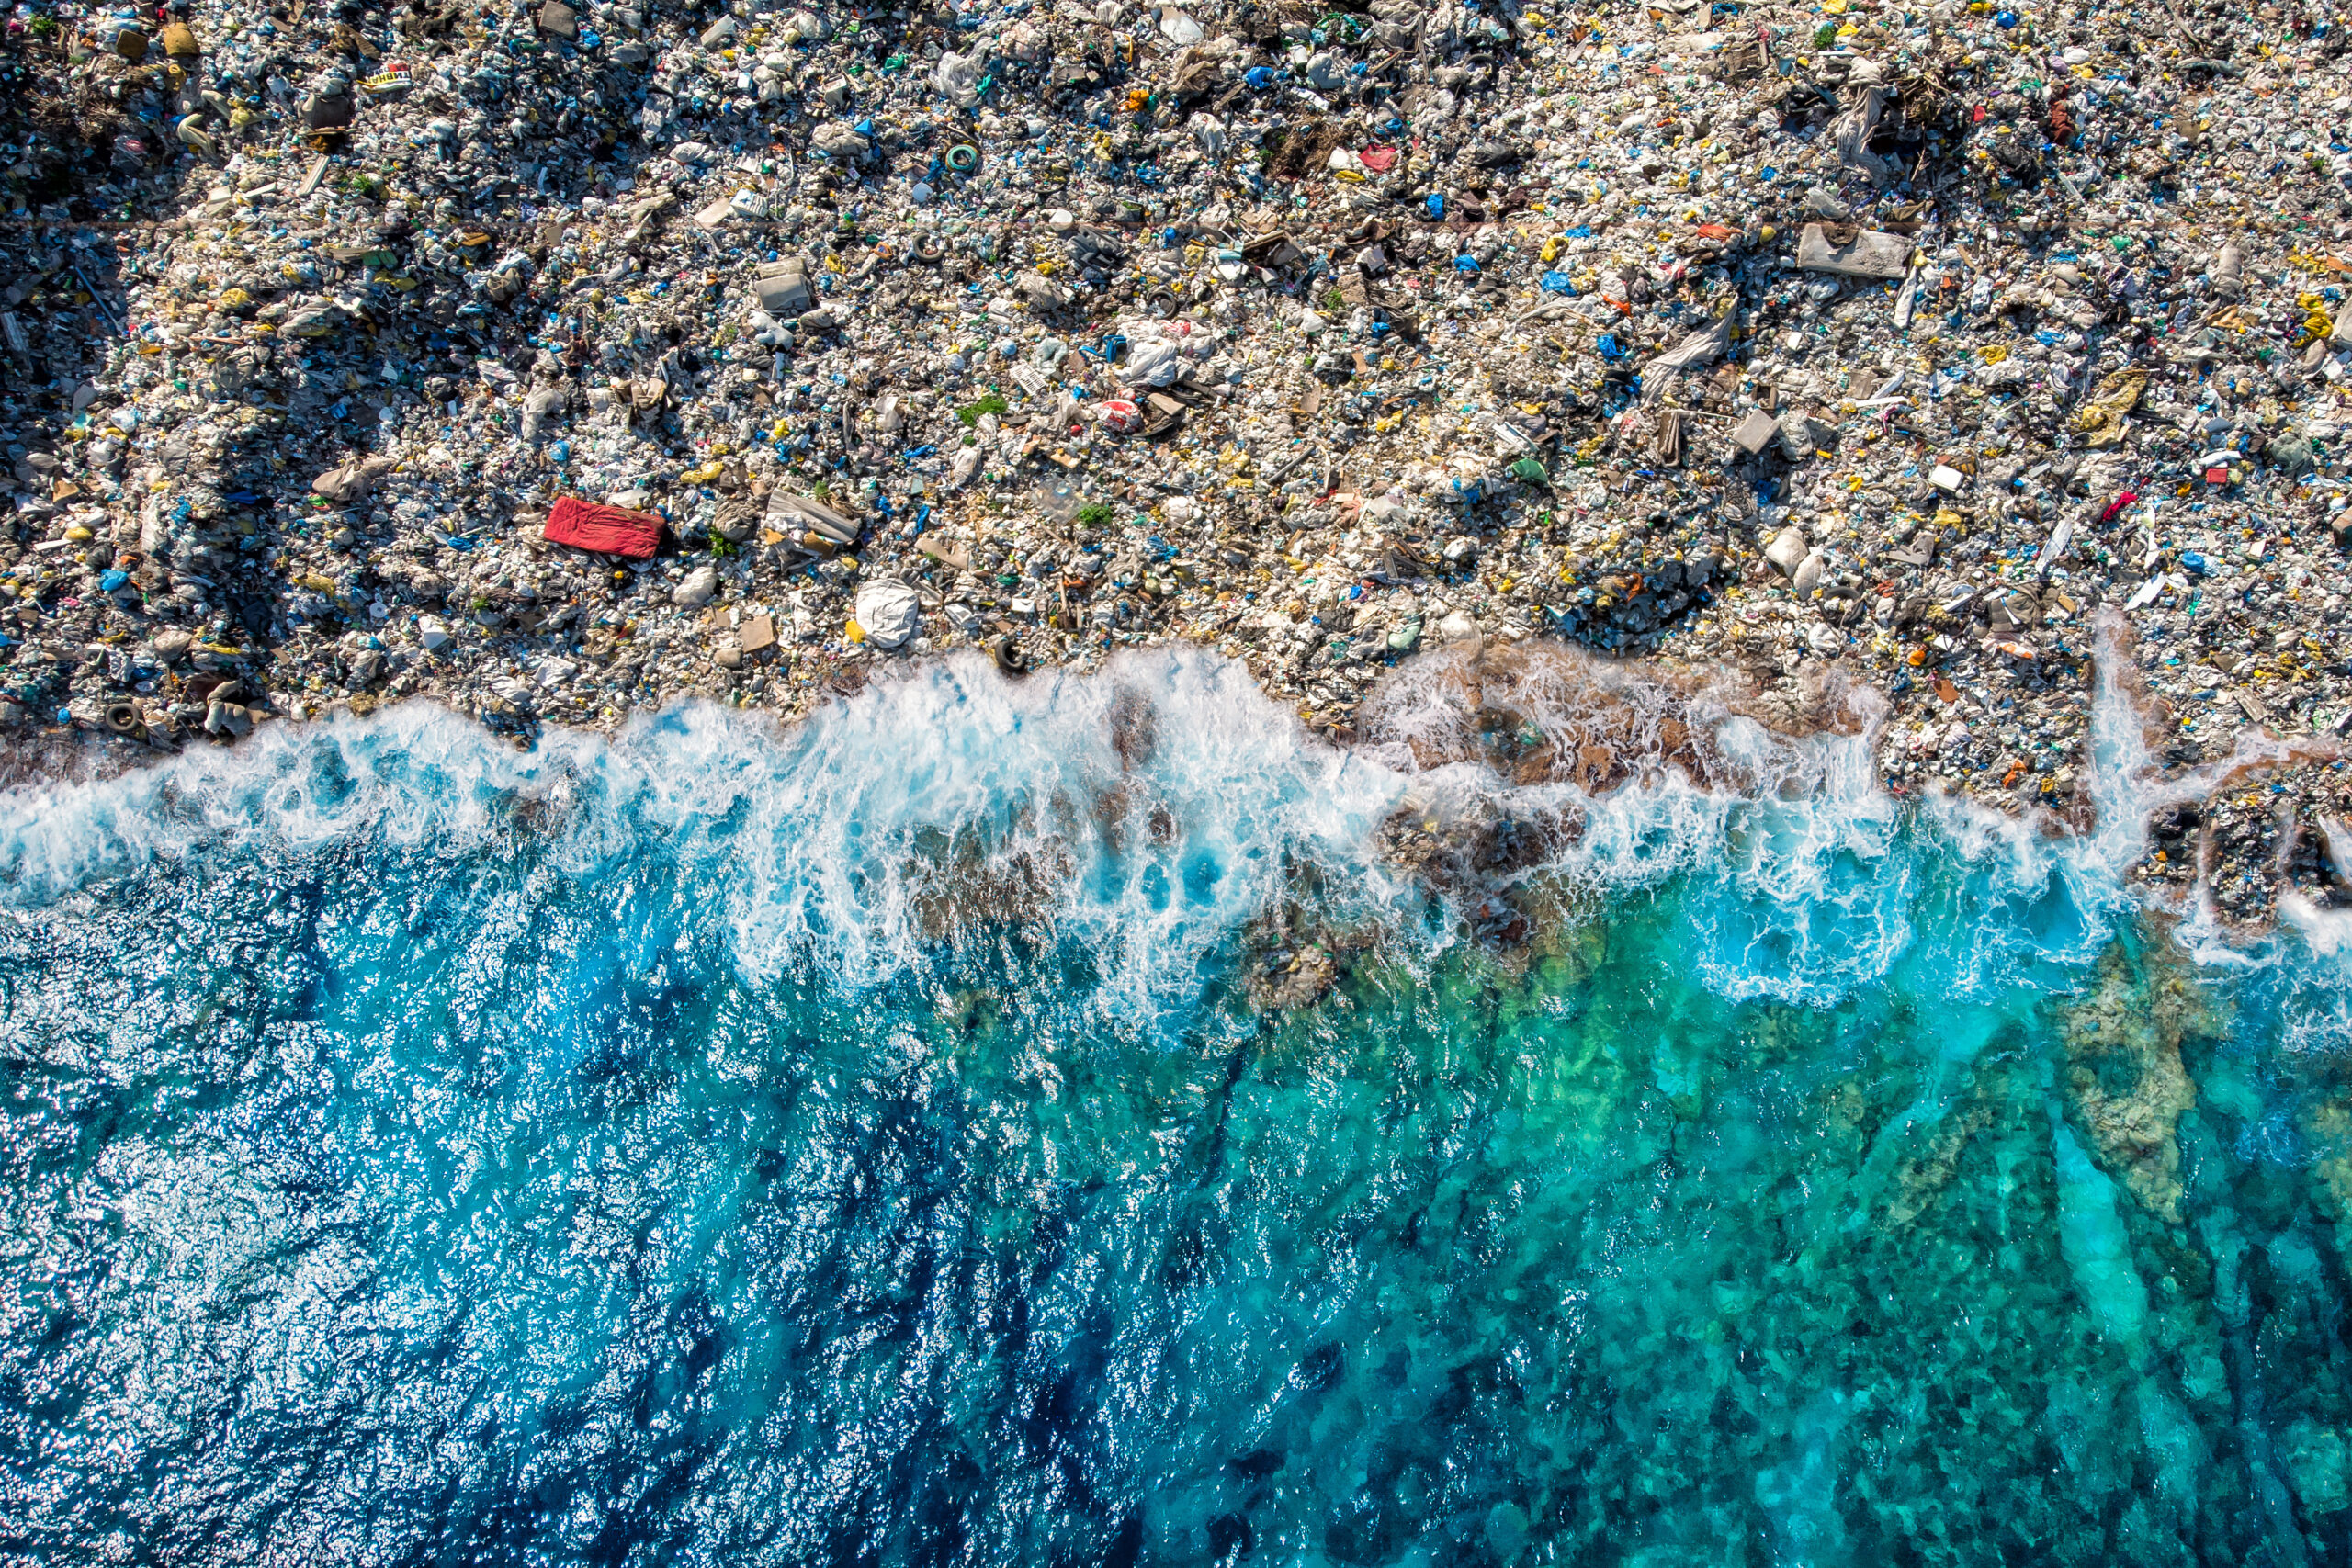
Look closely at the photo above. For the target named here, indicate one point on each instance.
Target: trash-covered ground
(558, 360)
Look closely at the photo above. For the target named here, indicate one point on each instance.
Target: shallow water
(866, 1145)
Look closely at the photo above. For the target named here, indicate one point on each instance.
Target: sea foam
(1146, 813)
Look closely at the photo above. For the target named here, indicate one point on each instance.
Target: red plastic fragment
(608, 530)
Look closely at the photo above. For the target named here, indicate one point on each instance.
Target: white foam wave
(1142, 814)
(2327, 931)
(1807, 877)
(413, 774)
(1812, 887)
(2313, 951)
(1145, 813)
(1800, 871)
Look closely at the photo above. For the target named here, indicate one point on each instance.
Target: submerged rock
(2122, 1040)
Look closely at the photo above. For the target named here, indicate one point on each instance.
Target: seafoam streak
(1149, 813)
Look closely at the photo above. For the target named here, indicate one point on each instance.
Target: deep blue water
(878, 1144)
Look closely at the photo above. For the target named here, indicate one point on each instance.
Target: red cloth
(609, 530)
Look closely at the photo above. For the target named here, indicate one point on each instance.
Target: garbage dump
(555, 360)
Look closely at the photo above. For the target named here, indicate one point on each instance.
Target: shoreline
(2256, 835)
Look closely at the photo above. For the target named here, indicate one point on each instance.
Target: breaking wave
(1145, 813)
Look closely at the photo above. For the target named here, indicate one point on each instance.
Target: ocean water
(1089, 1120)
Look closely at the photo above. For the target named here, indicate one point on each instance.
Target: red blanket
(611, 530)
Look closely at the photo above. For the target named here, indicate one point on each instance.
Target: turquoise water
(878, 1144)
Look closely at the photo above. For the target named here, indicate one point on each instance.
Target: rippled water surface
(878, 1144)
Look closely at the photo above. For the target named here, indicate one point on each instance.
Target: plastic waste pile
(1893, 344)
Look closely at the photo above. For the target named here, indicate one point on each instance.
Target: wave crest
(1162, 813)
